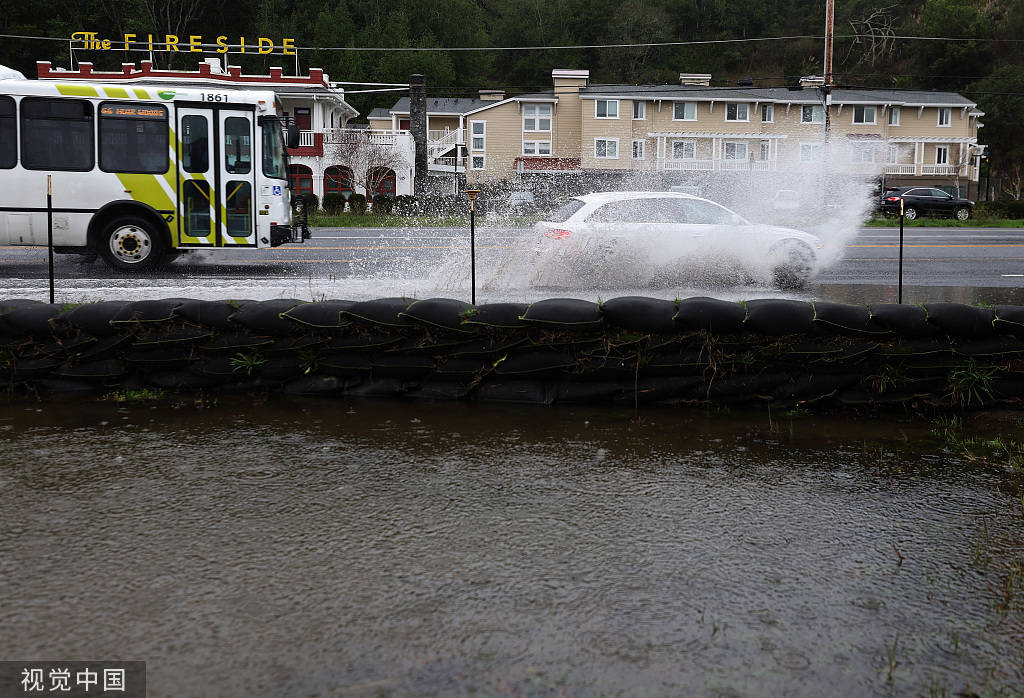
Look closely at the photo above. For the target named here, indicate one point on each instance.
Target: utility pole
(418, 126)
(827, 85)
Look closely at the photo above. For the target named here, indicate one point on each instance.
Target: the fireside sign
(171, 42)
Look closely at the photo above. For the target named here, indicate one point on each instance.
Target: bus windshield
(275, 160)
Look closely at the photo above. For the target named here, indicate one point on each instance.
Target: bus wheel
(131, 243)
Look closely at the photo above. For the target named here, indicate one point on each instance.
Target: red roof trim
(146, 72)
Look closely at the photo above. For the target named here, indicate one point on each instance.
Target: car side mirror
(293, 136)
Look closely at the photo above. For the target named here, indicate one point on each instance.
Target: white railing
(306, 139)
(375, 136)
(449, 136)
(447, 164)
(688, 165)
(900, 169)
(943, 170)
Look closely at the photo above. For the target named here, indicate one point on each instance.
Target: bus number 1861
(213, 97)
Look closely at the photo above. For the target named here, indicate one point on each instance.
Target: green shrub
(357, 202)
(312, 202)
(406, 205)
(334, 204)
(382, 204)
(1006, 208)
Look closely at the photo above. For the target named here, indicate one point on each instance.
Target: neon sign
(171, 42)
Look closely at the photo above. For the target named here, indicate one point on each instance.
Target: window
(639, 110)
(766, 151)
(944, 116)
(300, 179)
(638, 150)
(812, 114)
(684, 150)
(606, 148)
(536, 147)
(810, 152)
(862, 153)
(8, 134)
(536, 117)
(195, 144)
(737, 112)
(684, 111)
(274, 155)
(237, 145)
(863, 114)
(57, 134)
(303, 119)
(941, 155)
(476, 162)
(894, 116)
(383, 181)
(606, 108)
(767, 113)
(238, 209)
(195, 200)
(478, 133)
(734, 150)
(893, 155)
(133, 138)
(338, 180)
(565, 211)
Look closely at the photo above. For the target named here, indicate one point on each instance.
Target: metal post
(49, 227)
(899, 296)
(472, 194)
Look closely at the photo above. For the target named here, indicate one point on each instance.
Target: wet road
(952, 264)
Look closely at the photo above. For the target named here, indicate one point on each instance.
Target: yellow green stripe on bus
(116, 92)
(77, 91)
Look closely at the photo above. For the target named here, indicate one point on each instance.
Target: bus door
(216, 176)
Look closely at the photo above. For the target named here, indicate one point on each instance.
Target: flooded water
(373, 548)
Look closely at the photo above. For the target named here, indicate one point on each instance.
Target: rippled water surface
(404, 549)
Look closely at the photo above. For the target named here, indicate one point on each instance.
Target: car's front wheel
(793, 264)
(910, 213)
(962, 213)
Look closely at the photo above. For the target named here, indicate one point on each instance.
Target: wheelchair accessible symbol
(277, 190)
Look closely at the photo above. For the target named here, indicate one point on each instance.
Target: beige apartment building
(690, 131)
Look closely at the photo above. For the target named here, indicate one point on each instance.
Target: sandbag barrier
(626, 351)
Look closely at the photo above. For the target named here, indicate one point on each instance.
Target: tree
(369, 155)
(1001, 97)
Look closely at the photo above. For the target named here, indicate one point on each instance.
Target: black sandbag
(906, 321)
(990, 347)
(435, 343)
(749, 386)
(251, 385)
(774, 317)
(294, 345)
(816, 385)
(570, 313)
(13, 341)
(440, 312)
(1009, 387)
(855, 353)
(180, 380)
(385, 312)
(105, 368)
(218, 366)
(233, 341)
(174, 336)
(361, 342)
(457, 369)
(281, 367)
(215, 314)
(22, 369)
(647, 390)
(959, 320)
(503, 315)
(586, 392)
(63, 386)
(265, 317)
(33, 320)
(313, 385)
(641, 314)
(1009, 319)
(325, 314)
(536, 363)
(147, 311)
(344, 364)
(94, 318)
(402, 366)
(524, 391)
(157, 359)
(599, 368)
(717, 316)
(378, 387)
(105, 347)
(919, 347)
(436, 390)
(494, 346)
(844, 319)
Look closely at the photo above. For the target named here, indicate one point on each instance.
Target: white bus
(142, 173)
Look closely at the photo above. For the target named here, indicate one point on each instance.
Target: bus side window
(57, 134)
(195, 148)
(237, 145)
(8, 134)
(133, 138)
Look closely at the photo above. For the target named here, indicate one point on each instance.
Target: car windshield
(565, 211)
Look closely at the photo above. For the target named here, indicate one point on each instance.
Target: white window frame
(672, 149)
(862, 153)
(736, 106)
(537, 146)
(638, 152)
(473, 136)
(483, 161)
(864, 108)
(766, 150)
(606, 141)
(746, 151)
(683, 118)
(893, 156)
(769, 111)
(944, 160)
(894, 116)
(533, 112)
(816, 109)
(816, 148)
(639, 114)
(607, 103)
(949, 117)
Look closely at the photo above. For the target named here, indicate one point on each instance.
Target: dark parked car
(918, 201)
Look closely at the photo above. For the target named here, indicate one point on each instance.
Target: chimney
(812, 81)
(492, 95)
(702, 79)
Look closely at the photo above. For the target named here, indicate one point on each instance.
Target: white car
(660, 231)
